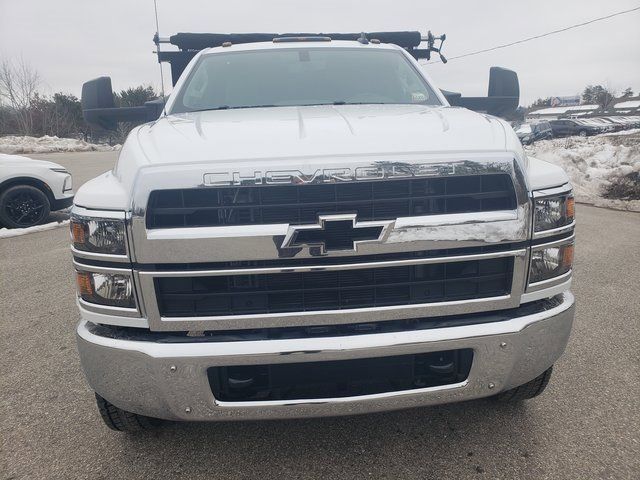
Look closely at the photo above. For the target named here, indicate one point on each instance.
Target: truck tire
(529, 390)
(122, 421)
(23, 206)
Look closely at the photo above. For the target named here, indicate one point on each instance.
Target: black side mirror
(503, 97)
(99, 110)
(503, 85)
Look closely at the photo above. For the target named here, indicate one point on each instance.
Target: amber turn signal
(77, 233)
(571, 208)
(84, 283)
(567, 256)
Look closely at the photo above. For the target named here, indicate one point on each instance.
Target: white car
(30, 189)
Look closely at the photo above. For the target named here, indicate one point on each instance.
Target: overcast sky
(71, 41)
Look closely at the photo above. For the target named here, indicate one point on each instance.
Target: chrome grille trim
(262, 242)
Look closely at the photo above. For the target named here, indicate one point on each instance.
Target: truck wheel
(529, 390)
(122, 421)
(23, 206)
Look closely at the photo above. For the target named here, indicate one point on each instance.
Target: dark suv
(532, 132)
(566, 127)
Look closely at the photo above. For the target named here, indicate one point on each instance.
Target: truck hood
(316, 131)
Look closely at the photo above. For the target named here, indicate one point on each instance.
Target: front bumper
(62, 203)
(169, 380)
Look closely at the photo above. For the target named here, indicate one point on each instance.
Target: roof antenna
(156, 39)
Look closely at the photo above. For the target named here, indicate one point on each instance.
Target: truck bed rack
(191, 43)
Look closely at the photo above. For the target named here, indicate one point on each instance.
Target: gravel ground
(584, 426)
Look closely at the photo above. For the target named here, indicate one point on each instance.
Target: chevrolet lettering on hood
(331, 175)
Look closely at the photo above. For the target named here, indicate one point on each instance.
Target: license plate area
(339, 379)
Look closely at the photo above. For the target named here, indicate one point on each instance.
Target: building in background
(569, 101)
(564, 107)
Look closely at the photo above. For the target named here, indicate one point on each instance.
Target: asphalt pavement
(586, 424)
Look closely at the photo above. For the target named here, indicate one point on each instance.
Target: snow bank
(46, 144)
(594, 162)
(631, 131)
(16, 232)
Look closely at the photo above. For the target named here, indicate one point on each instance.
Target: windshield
(302, 76)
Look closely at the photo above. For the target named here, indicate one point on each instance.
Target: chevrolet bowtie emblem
(336, 233)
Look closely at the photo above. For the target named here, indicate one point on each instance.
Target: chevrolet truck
(308, 226)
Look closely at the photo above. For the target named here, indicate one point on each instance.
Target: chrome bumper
(169, 380)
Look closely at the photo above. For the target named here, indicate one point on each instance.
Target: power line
(535, 37)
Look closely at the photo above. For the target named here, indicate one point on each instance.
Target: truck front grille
(300, 204)
(237, 294)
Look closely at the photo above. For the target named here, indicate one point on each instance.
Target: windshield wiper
(227, 107)
(342, 102)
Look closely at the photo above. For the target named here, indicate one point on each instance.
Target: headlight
(550, 262)
(111, 289)
(98, 235)
(553, 212)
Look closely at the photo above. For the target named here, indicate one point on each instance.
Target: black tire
(122, 421)
(23, 206)
(529, 390)
(582, 133)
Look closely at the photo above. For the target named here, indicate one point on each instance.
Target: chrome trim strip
(550, 282)
(86, 212)
(100, 269)
(550, 192)
(555, 243)
(323, 317)
(326, 268)
(339, 400)
(273, 229)
(99, 256)
(546, 292)
(554, 231)
(107, 310)
(110, 318)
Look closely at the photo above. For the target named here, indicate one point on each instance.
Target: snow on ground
(16, 232)
(631, 131)
(46, 144)
(593, 162)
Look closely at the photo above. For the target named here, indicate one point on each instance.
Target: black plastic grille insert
(339, 378)
(301, 204)
(332, 290)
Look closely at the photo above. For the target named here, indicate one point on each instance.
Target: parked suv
(567, 127)
(311, 228)
(31, 189)
(532, 132)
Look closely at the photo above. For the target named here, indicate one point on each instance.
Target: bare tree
(19, 83)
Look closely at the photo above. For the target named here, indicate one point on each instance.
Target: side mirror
(503, 85)
(503, 96)
(99, 110)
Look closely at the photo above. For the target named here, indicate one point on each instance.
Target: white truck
(308, 227)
